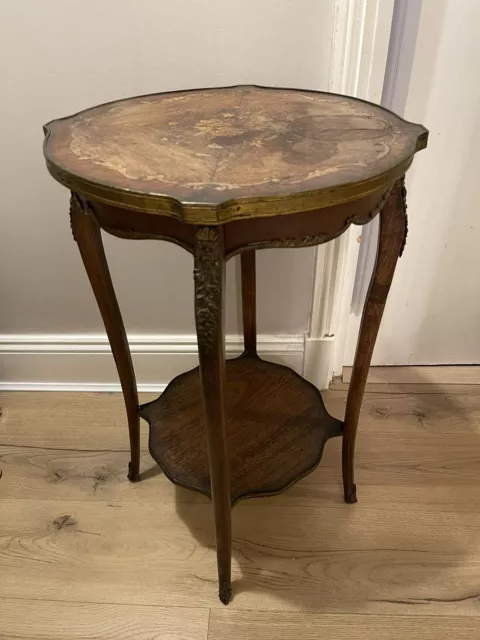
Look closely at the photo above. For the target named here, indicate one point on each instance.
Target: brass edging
(233, 209)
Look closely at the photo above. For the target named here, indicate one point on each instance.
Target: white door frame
(405, 26)
(359, 56)
(401, 52)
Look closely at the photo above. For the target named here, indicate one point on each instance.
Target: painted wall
(433, 312)
(60, 56)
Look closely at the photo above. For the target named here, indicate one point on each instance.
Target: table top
(214, 155)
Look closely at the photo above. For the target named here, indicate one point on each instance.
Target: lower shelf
(277, 427)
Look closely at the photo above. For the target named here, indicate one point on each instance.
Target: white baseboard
(317, 361)
(83, 362)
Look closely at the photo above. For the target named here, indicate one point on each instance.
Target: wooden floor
(85, 554)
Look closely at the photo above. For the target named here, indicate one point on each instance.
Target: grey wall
(60, 56)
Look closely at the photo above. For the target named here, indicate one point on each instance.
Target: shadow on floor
(401, 544)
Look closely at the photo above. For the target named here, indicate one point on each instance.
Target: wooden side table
(224, 172)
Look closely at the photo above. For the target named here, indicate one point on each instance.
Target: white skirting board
(83, 362)
(428, 374)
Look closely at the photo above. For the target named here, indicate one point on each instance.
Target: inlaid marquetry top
(213, 155)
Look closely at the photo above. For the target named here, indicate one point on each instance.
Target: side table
(222, 172)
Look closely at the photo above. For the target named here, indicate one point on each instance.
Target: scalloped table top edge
(211, 156)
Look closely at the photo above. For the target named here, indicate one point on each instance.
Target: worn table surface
(201, 150)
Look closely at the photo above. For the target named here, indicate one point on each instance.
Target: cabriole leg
(391, 239)
(87, 234)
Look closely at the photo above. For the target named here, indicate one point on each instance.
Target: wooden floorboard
(439, 374)
(54, 620)
(84, 553)
(260, 625)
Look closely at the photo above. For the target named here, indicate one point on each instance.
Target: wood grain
(208, 147)
(44, 620)
(53, 447)
(87, 234)
(259, 625)
(276, 428)
(209, 277)
(391, 240)
(460, 374)
(430, 477)
(337, 560)
(87, 421)
(93, 551)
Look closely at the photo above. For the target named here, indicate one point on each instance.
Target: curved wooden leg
(86, 232)
(209, 284)
(391, 239)
(249, 302)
